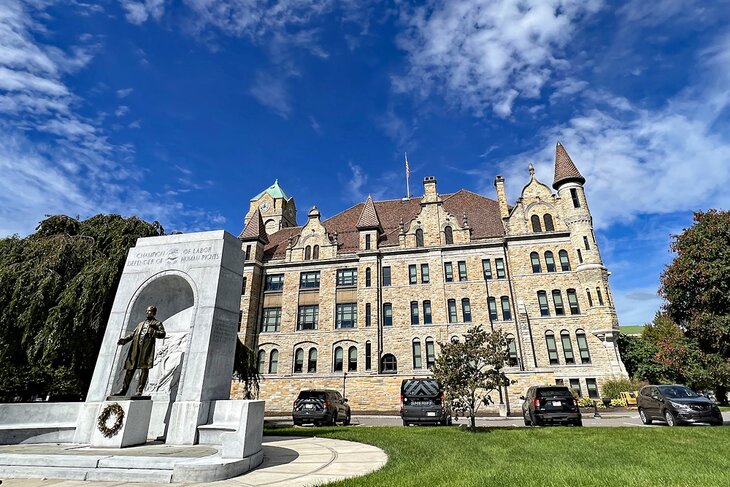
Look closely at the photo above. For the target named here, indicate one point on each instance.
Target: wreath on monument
(106, 413)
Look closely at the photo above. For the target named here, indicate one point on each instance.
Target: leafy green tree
(56, 292)
(696, 288)
(470, 370)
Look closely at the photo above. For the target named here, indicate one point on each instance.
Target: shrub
(586, 402)
(618, 402)
(614, 387)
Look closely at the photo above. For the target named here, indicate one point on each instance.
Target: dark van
(422, 402)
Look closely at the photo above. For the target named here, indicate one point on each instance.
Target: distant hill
(631, 329)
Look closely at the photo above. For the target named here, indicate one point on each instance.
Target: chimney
(501, 197)
(429, 189)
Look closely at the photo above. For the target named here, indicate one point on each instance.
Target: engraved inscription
(141, 258)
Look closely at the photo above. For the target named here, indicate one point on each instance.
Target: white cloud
(121, 110)
(485, 54)
(125, 92)
(271, 91)
(137, 12)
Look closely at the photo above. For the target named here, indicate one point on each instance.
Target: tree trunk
(473, 419)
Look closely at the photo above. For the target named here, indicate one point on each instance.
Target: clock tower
(277, 209)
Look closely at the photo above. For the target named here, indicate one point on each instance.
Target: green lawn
(557, 456)
(631, 329)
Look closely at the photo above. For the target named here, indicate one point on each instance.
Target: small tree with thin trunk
(470, 370)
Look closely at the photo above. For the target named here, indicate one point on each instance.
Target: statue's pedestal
(134, 427)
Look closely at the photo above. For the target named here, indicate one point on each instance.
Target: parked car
(422, 401)
(676, 404)
(321, 406)
(550, 404)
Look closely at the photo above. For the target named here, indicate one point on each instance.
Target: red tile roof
(565, 170)
(482, 213)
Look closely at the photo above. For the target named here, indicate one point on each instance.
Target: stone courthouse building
(360, 301)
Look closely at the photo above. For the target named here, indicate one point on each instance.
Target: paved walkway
(288, 461)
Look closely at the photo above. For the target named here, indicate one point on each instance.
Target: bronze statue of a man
(142, 351)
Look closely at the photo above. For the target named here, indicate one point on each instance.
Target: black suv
(422, 402)
(676, 404)
(550, 404)
(320, 406)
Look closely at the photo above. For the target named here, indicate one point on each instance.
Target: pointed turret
(369, 219)
(565, 170)
(255, 229)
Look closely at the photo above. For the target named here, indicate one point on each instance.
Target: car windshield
(677, 392)
(312, 395)
(554, 392)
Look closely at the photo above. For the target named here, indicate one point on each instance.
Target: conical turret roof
(255, 230)
(274, 191)
(369, 217)
(565, 170)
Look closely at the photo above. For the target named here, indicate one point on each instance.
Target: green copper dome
(274, 191)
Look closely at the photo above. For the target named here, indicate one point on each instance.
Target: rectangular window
(466, 310)
(271, 319)
(567, 348)
(575, 385)
(248, 252)
(585, 356)
(346, 315)
(500, 268)
(427, 313)
(592, 388)
(308, 317)
(558, 302)
(462, 270)
(493, 309)
(573, 302)
(368, 278)
(580, 256)
(487, 269)
(414, 312)
(542, 300)
(506, 312)
(574, 197)
(452, 311)
(243, 287)
(367, 241)
(448, 272)
(430, 354)
(346, 277)
(274, 282)
(368, 315)
(559, 382)
(425, 277)
(386, 276)
(417, 355)
(368, 360)
(585, 243)
(309, 280)
(552, 349)
(387, 314)
(412, 274)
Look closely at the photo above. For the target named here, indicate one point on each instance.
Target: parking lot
(607, 418)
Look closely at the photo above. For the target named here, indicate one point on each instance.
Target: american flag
(408, 169)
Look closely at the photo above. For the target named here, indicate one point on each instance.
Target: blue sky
(181, 111)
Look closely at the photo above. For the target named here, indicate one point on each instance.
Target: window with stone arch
(368, 277)
(312, 362)
(449, 235)
(564, 260)
(315, 252)
(261, 362)
(338, 361)
(548, 219)
(388, 364)
(549, 261)
(535, 261)
(536, 225)
(417, 364)
(298, 360)
(567, 347)
(512, 349)
(419, 238)
(552, 347)
(352, 359)
(273, 361)
(307, 252)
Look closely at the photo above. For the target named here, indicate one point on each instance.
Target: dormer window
(536, 226)
(449, 235)
(419, 238)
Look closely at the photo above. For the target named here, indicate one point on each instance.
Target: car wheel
(644, 418)
(348, 417)
(535, 421)
(579, 422)
(671, 420)
(717, 423)
(333, 422)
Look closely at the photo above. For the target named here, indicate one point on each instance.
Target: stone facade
(390, 280)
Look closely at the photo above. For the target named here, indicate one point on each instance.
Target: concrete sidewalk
(288, 461)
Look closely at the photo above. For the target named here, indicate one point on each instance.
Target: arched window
(416, 353)
(543, 302)
(573, 302)
(315, 252)
(466, 310)
(452, 311)
(368, 277)
(449, 235)
(590, 299)
(564, 261)
(552, 348)
(419, 238)
(512, 349)
(535, 260)
(492, 302)
(549, 261)
(585, 356)
(430, 353)
(506, 313)
(548, 219)
(567, 347)
(312, 362)
(338, 359)
(274, 362)
(599, 296)
(536, 226)
(261, 362)
(298, 360)
(558, 302)
(307, 252)
(388, 364)
(352, 359)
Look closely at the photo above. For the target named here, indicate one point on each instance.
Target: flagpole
(408, 177)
